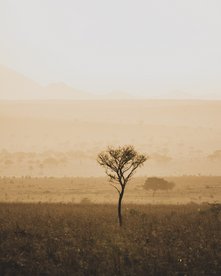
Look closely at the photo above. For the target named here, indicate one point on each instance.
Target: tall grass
(76, 239)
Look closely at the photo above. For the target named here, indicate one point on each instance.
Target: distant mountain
(61, 90)
(203, 94)
(15, 86)
(117, 95)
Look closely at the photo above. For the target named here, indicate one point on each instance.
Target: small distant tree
(156, 183)
(120, 165)
(86, 201)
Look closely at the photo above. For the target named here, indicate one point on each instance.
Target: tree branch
(115, 188)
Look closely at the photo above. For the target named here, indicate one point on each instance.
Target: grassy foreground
(76, 239)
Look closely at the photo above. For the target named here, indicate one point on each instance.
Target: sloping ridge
(16, 86)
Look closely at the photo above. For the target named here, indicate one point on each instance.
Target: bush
(156, 183)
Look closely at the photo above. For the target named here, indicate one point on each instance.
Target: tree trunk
(154, 192)
(119, 208)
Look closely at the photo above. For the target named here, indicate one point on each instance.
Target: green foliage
(59, 239)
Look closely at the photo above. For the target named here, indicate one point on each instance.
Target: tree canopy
(120, 165)
(156, 183)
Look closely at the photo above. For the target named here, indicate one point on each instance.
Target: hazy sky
(148, 47)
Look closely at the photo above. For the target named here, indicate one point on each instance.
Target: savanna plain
(58, 213)
(80, 235)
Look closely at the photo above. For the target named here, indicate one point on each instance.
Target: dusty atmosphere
(63, 138)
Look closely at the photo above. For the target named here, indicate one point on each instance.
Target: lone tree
(120, 165)
(156, 183)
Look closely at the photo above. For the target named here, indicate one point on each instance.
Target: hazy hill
(15, 86)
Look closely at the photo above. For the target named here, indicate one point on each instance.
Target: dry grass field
(77, 239)
(68, 226)
(198, 189)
